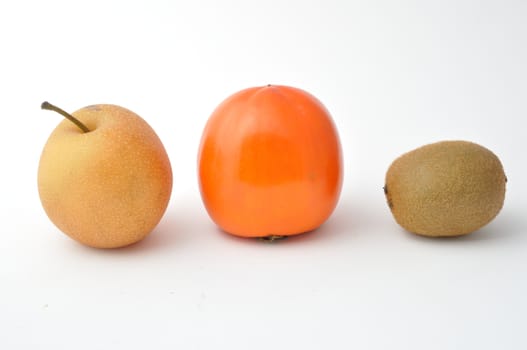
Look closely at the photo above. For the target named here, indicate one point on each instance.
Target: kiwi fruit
(448, 188)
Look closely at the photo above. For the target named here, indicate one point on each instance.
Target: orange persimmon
(270, 163)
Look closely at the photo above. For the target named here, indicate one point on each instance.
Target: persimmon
(270, 163)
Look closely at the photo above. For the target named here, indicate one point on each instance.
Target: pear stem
(50, 107)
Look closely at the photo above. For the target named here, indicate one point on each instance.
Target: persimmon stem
(272, 238)
(50, 107)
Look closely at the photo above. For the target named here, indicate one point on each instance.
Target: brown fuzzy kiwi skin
(448, 188)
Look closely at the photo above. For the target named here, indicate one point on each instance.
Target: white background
(394, 74)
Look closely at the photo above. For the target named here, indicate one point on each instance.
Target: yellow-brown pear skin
(448, 188)
(109, 187)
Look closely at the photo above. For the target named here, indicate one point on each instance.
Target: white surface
(394, 74)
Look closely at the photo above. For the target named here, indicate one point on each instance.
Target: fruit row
(270, 166)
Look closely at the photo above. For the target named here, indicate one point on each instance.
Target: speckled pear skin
(109, 187)
(448, 188)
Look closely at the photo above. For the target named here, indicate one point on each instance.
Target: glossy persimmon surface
(270, 163)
